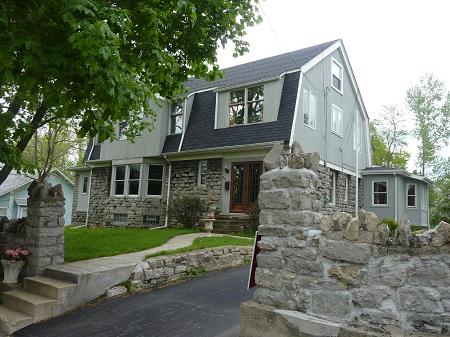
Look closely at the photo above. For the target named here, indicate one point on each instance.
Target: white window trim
(198, 172)
(82, 185)
(246, 101)
(303, 115)
(183, 103)
(334, 181)
(333, 106)
(415, 195)
(20, 211)
(126, 181)
(387, 193)
(162, 181)
(333, 60)
(124, 137)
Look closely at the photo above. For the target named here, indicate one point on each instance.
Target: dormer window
(336, 75)
(246, 106)
(176, 118)
(123, 126)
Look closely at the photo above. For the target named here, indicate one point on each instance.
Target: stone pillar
(44, 231)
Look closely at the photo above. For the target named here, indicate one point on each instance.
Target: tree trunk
(23, 142)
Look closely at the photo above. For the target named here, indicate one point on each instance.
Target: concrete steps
(41, 298)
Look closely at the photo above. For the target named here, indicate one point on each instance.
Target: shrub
(392, 226)
(253, 212)
(187, 210)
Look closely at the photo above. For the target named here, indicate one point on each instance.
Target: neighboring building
(392, 193)
(212, 141)
(14, 194)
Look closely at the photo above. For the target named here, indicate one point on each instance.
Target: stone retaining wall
(159, 271)
(346, 270)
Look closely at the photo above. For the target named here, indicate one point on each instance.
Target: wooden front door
(244, 185)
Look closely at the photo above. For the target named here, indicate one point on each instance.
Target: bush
(187, 210)
(392, 226)
(253, 212)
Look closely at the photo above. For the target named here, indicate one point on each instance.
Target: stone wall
(184, 181)
(160, 271)
(349, 272)
(78, 217)
(107, 210)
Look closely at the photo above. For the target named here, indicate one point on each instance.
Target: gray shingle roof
(261, 69)
(13, 181)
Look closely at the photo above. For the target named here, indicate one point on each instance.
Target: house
(14, 194)
(392, 193)
(212, 141)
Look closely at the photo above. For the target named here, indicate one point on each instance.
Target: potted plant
(13, 261)
(209, 222)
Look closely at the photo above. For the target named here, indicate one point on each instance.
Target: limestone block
(116, 291)
(380, 317)
(428, 272)
(267, 278)
(296, 161)
(404, 232)
(270, 243)
(296, 148)
(151, 274)
(389, 270)
(307, 253)
(273, 230)
(381, 235)
(369, 220)
(303, 218)
(271, 297)
(301, 200)
(345, 251)
(326, 223)
(335, 305)
(272, 159)
(303, 266)
(274, 261)
(315, 159)
(441, 235)
(352, 230)
(371, 296)
(277, 199)
(340, 220)
(419, 299)
(346, 273)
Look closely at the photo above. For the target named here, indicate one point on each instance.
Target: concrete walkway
(110, 262)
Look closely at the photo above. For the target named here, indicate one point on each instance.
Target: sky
(390, 44)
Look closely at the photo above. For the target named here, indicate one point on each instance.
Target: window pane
(133, 187)
(85, 185)
(411, 189)
(237, 96)
(255, 93)
(119, 187)
(135, 171)
(202, 169)
(411, 201)
(380, 198)
(380, 187)
(255, 112)
(312, 110)
(120, 172)
(155, 172)
(336, 82)
(176, 124)
(236, 114)
(177, 108)
(154, 187)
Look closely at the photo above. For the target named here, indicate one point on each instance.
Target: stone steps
(227, 224)
(41, 298)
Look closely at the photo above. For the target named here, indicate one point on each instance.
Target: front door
(244, 185)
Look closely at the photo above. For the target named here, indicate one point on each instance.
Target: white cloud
(391, 44)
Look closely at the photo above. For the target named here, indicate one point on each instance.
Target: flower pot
(209, 225)
(11, 270)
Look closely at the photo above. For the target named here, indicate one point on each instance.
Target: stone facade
(160, 271)
(184, 181)
(344, 270)
(107, 210)
(78, 217)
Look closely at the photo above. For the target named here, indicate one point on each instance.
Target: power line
(285, 48)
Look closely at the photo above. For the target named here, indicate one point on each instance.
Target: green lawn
(88, 243)
(207, 242)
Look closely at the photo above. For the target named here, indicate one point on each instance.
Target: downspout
(166, 224)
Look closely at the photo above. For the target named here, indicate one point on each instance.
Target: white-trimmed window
(246, 106)
(134, 177)
(309, 108)
(347, 186)
(336, 120)
(333, 187)
(3, 212)
(202, 171)
(379, 193)
(123, 127)
(119, 179)
(411, 195)
(85, 185)
(337, 75)
(155, 180)
(176, 117)
(359, 136)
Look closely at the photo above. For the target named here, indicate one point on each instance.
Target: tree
(384, 155)
(430, 103)
(100, 62)
(440, 192)
(55, 145)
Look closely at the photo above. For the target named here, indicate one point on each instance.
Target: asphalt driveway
(207, 306)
